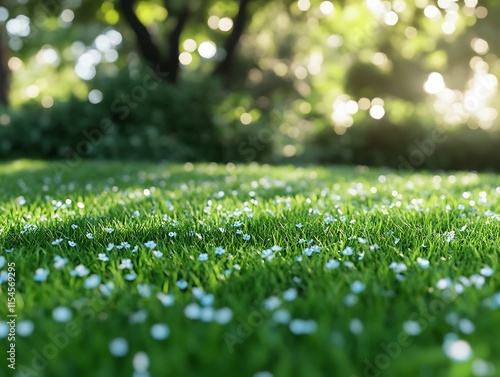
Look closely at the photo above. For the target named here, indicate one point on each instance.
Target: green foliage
(408, 146)
(164, 122)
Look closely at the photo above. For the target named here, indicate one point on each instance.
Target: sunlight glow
(207, 49)
(377, 112)
(434, 84)
(304, 5)
(185, 58)
(326, 7)
(189, 45)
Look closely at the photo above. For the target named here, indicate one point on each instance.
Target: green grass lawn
(170, 270)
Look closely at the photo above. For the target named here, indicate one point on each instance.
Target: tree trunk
(225, 66)
(147, 45)
(4, 71)
(171, 63)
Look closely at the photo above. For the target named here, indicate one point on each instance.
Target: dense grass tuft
(303, 271)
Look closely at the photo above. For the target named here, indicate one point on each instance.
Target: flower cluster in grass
(273, 259)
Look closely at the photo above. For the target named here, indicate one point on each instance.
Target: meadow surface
(212, 270)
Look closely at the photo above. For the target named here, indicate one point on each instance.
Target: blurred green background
(408, 84)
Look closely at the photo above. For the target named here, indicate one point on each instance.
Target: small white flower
(466, 326)
(348, 251)
(138, 317)
(357, 287)
(160, 331)
(239, 232)
(2, 261)
(456, 349)
(62, 314)
(80, 271)
(268, 253)
(172, 234)
(130, 276)
(192, 311)
(74, 226)
(41, 274)
(126, 263)
(150, 244)
(332, 264)
(290, 294)
(282, 316)
(207, 314)
(450, 236)
(107, 289)
(165, 299)
(276, 248)
(182, 284)
(157, 254)
(272, 303)
(103, 257)
(444, 283)
(412, 328)
(356, 326)
(110, 247)
(223, 316)
(203, 257)
(25, 328)
(92, 282)
(477, 280)
(71, 243)
(109, 230)
(219, 250)
(263, 373)
(487, 271)
(301, 326)
(118, 347)
(57, 242)
(299, 225)
(362, 240)
(423, 263)
(90, 236)
(246, 237)
(207, 300)
(350, 299)
(144, 290)
(398, 267)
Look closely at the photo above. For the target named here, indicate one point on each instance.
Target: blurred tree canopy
(323, 67)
